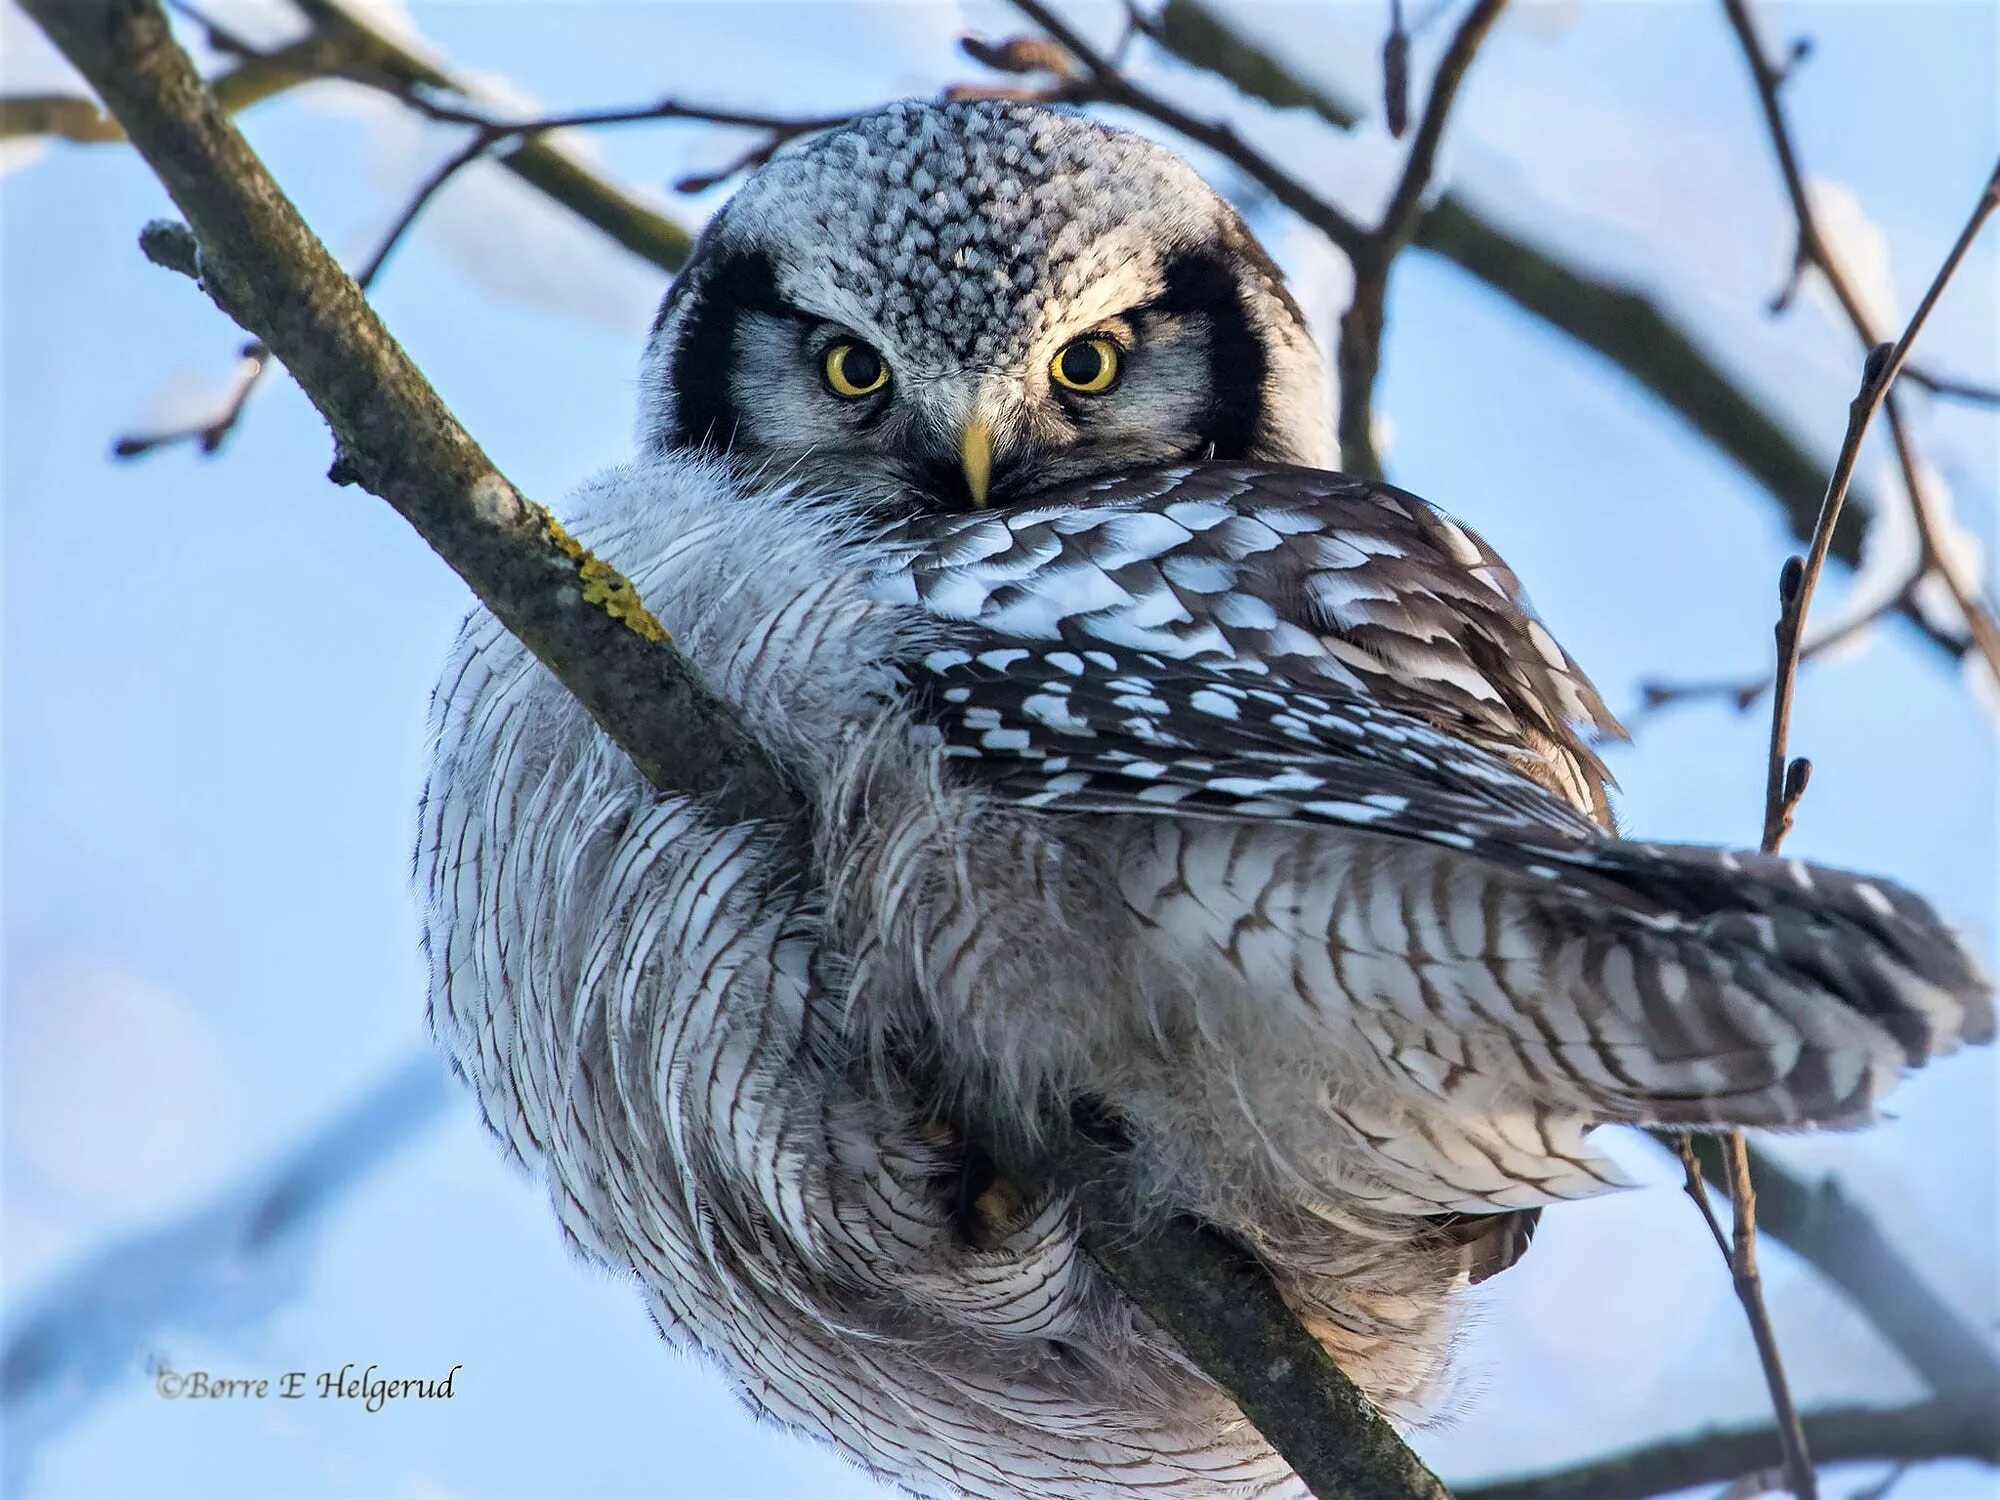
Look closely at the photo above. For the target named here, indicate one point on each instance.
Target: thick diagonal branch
(264, 267)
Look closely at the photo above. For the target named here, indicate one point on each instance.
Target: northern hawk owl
(1153, 770)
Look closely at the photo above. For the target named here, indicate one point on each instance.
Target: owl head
(951, 305)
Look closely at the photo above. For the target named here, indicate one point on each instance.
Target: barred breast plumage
(1250, 804)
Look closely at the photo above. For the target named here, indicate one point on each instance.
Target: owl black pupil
(1082, 363)
(861, 366)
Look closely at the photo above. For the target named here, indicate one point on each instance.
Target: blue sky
(216, 670)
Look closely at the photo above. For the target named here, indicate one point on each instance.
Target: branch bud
(1019, 54)
(171, 244)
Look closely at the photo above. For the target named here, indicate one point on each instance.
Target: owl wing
(1323, 582)
(1372, 796)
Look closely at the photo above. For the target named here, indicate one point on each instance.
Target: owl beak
(975, 456)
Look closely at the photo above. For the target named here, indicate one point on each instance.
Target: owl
(1155, 774)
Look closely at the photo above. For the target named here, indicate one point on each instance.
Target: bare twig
(1927, 1431)
(1952, 387)
(1934, 557)
(1785, 784)
(1359, 355)
(1739, 1252)
(775, 137)
(1396, 73)
(1098, 80)
(1399, 219)
(1813, 251)
(1626, 327)
(1698, 1190)
(210, 434)
(586, 624)
(653, 112)
(1884, 363)
(1838, 1238)
(778, 129)
(1743, 692)
(1749, 1282)
(357, 50)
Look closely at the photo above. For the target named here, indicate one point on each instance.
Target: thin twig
(1744, 692)
(1626, 327)
(1785, 784)
(778, 130)
(1697, 1189)
(208, 434)
(1749, 1283)
(1936, 558)
(1101, 81)
(1883, 364)
(1813, 250)
(1359, 355)
(212, 432)
(1399, 219)
(1929, 1430)
(1739, 1253)
(1953, 388)
(1840, 1240)
(1396, 73)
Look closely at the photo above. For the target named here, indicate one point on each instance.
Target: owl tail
(1689, 986)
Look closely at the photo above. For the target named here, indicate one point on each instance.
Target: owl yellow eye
(853, 370)
(1088, 365)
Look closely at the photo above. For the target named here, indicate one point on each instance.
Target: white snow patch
(1862, 249)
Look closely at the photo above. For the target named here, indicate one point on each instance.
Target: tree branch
(205, 1271)
(212, 432)
(1838, 1238)
(1931, 1430)
(1815, 252)
(1656, 694)
(1785, 784)
(81, 122)
(1399, 219)
(1801, 576)
(585, 623)
(344, 46)
(1623, 326)
(540, 163)
(1100, 81)
(1359, 354)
